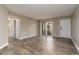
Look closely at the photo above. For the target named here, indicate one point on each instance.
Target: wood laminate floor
(39, 45)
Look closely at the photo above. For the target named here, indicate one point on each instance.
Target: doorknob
(60, 28)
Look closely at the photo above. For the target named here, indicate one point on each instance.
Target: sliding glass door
(47, 28)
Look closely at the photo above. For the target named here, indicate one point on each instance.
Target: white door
(65, 27)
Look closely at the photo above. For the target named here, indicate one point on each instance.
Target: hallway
(40, 45)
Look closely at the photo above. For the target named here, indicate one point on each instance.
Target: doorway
(14, 31)
(14, 28)
(47, 28)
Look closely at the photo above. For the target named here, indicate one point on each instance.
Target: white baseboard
(4, 45)
(27, 36)
(61, 36)
(75, 45)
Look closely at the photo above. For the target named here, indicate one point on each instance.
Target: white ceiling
(41, 11)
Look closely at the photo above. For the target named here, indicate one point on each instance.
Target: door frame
(46, 23)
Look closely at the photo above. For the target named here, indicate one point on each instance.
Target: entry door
(65, 28)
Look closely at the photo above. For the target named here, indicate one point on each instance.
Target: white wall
(3, 26)
(29, 27)
(75, 27)
(17, 28)
(11, 28)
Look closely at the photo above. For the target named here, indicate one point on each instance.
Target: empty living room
(39, 29)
